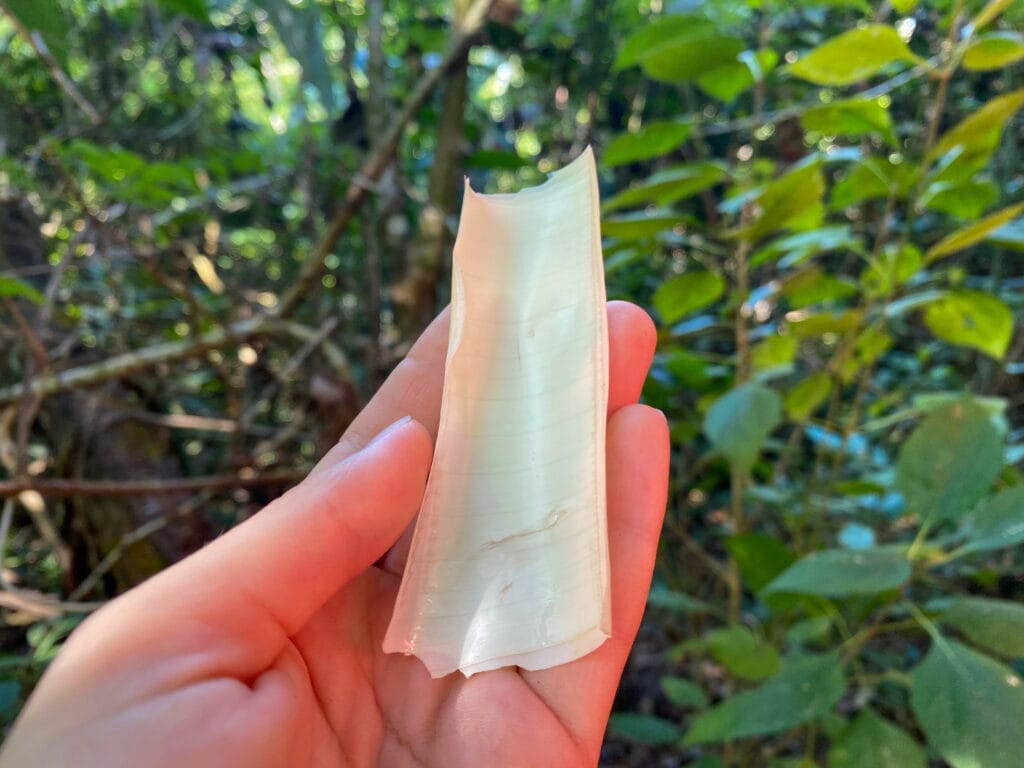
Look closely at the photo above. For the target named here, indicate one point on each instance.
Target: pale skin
(264, 648)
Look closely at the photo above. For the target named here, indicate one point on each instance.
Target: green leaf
(895, 266)
(695, 53)
(680, 295)
(683, 693)
(965, 200)
(807, 396)
(980, 132)
(904, 6)
(998, 522)
(738, 423)
(949, 462)
(814, 286)
(729, 81)
(973, 233)
(669, 185)
(850, 117)
(677, 602)
(873, 741)
(46, 19)
(843, 572)
(743, 653)
(197, 9)
(823, 323)
(785, 199)
(853, 56)
(805, 688)
(773, 352)
(759, 557)
(870, 178)
(996, 625)
(1009, 236)
(634, 226)
(972, 319)
(969, 706)
(644, 729)
(994, 51)
(652, 140)
(793, 250)
(13, 287)
(663, 32)
(990, 13)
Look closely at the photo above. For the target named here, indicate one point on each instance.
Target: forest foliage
(221, 224)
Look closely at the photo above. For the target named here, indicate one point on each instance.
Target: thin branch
(154, 487)
(379, 159)
(39, 45)
(137, 360)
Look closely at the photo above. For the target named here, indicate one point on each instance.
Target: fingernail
(387, 431)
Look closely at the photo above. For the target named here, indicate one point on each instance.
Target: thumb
(285, 562)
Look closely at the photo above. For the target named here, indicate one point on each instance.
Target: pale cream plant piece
(509, 560)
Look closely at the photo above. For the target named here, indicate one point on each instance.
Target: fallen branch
(151, 487)
(381, 157)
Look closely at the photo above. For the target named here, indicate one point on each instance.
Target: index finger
(414, 387)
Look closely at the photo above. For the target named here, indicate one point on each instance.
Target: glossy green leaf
(843, 572)
(743, 653)
(875, 742)
(10, 286)
(738, 422)
(633, 226)
(994, 51)
(850, 117)
(683, 693)
(904, 6)
(807, 396)
(996, 625)
(652, 140)
(759, 557)
(949, 462)
(805, 688)
(973, 233)
(972, 319)
(785, 199)
(668, 186)
(969, 705)
(981, 131)
(998, 522)
(46, 19)
(682, 294)
(853, 56)
(644, 729)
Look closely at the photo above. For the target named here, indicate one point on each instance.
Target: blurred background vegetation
(221, 224)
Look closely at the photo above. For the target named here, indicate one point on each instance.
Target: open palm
(264, 649)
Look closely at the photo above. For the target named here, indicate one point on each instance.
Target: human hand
(264, 648)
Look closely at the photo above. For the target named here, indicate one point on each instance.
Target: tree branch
(152, 487)
(372, 169)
